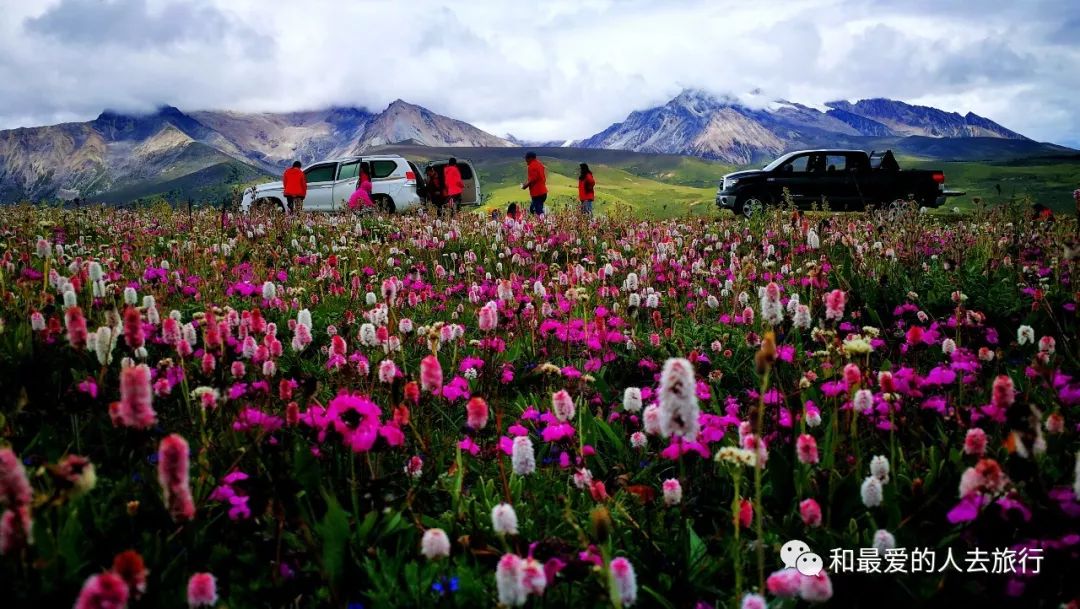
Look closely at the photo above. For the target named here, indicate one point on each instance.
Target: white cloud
(549, 70)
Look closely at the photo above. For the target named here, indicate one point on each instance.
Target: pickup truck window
(383, 169)
(320, 173)
(798, 164)
(835, 162)
(348, 171)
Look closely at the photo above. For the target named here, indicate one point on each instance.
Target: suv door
(347, 175)
(385, 178)
(471, 194)
(320, 186)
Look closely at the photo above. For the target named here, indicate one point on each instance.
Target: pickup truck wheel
(750, 207)
(384, 203)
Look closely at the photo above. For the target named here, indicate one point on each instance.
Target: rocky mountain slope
(715, 127)
(116, 154)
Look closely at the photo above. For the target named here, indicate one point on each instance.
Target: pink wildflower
(852, 375)
(816, 588)
(672, 492)
(1004, 392)
(753, 601)
(173, 465)
(133, 330)
(130, 567)
(975, 442)
(435, 544)
(202, 590)
(622, 573)
(16, 529)
(489, 316)
(103, 591)
(135, 408)
(15, 488)
(477, 413)
(784, 583)
(562, 405)
(678, 401)
(810, 512)
(431, 376)
(806, 447)
(834, 305)
(75, 323)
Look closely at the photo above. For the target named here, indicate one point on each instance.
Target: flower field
(200, 409)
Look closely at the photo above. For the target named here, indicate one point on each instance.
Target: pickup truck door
(793, 175)
(835, 183)
(347, 175)
(320, 186)
(870, 184)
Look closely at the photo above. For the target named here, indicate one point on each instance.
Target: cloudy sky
(538, 70)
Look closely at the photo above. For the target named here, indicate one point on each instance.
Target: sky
(546, 70)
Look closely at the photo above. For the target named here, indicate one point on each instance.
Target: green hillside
(207, 186)
(1047, 180)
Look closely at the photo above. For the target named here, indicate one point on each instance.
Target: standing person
(453, 185)
(434, 189)
(295, 183)
(536, 183)
(586, 186)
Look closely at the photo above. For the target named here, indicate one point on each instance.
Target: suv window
(835, 162)
(797, 164)
(383, 169)
(463, 168)
(320, 173)
(348, 170)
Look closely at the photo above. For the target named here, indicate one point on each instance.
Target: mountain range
(722, 128)
(203, 154)
(123, 157)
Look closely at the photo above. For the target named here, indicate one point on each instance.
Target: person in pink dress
(361, 197)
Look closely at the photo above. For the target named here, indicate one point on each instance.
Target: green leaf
(610, 434)
(366, 527)
(334, 531)
(305, 469)
(660, 599)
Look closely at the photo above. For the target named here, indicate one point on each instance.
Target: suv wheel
(384, 203)
(267, 205)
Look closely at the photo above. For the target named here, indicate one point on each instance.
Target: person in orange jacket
(536, 183)
(295, 183)
(586, 186)
(452, 185)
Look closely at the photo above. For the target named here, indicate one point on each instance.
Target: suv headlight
(730, 182)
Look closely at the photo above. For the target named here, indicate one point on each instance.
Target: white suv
(331, 183)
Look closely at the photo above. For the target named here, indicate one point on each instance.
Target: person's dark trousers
(537, 205)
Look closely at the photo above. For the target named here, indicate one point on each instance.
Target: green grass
(615, 188)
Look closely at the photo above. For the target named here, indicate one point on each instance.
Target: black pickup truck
(847, 179)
